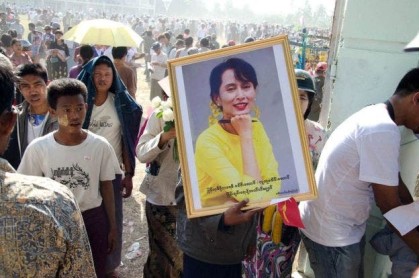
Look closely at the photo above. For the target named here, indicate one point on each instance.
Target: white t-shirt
(158, 71)
(172, 53)
(105, 122)
(364, 149)
(79, 167)
(35, 129)
(183, 52)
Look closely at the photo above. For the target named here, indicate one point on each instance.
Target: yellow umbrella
(103, 32)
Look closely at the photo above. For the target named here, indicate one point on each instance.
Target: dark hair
(409, 83)
(7, 84)
(180, 43)
(14, 41)
(6, 40)
(204, 42)
(3, 51)
(249, 39)
(243, 71)
(12, 33)
(167, 35)
(65, 87)
(86, 53)
(119, 52)
(188, 41)
(187, 31)
(32, 69)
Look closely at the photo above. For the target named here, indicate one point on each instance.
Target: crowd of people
(83, 120)
(317, 39)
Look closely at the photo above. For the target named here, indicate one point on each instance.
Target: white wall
(370, 59)
(367, 61)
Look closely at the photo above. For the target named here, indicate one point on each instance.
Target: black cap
(156, 46)
(304, 81)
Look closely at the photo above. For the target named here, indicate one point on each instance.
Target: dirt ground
(135, 223)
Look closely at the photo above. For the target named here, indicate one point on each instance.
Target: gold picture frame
(208, 161)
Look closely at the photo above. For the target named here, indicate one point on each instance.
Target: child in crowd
(81, 160)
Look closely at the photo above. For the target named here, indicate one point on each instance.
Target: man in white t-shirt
(159, 67)
(359, 163)
(80, 160)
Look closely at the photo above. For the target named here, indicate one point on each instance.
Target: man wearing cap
(48, 36)
(158, 67)
(319, 76)
(42, 228)
(33, 33)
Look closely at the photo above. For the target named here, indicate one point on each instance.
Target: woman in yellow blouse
(234, 157)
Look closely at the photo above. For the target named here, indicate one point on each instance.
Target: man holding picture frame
(216, 233)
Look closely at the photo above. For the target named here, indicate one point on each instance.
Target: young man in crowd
(85, 54)
(113, 114)
(34, 119)
(81, 160)
(35, 211)
(159, 68)
(319, 77)
(126, 73)
(359, 163)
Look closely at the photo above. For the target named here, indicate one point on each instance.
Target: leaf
(168, 126)
(175, 152)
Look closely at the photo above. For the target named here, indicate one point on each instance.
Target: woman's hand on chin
(242, 124)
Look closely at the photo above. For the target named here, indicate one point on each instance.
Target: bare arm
(129, 173)
(243, 126)
(387, 198)
(405, 196)
(166, 137)
(106, 190)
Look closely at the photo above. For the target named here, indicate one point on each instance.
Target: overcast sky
(276, 6)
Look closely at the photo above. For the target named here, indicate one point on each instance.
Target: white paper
(404, 218)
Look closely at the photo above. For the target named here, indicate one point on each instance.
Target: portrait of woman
(234, 156)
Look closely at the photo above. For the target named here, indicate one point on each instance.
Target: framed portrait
(240, 128)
